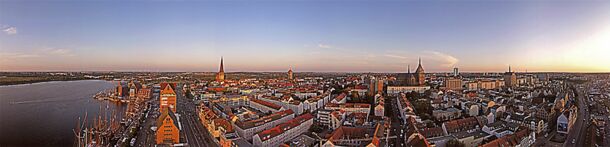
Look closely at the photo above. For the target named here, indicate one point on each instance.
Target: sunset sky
(338, 36)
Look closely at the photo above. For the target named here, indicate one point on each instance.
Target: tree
(454, 143)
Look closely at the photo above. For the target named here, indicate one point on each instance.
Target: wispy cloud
(44, 53)
(59, 52)
(324, 46)
(435, 60)
(395, 56)
(9, 30)
(445, 59)
(8, 55)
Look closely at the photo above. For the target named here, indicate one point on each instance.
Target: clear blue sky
(346, 36)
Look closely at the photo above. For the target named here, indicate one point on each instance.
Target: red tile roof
(264, 119)
(268, 104)
(461, 124)
(164, 84)
(221, 122)
(341, 97)
(349, 105)
(508, 140)
(283, 127)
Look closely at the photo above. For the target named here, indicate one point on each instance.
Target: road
(397, 126)
(578, 131)
(146, 136)
(195, 134)
(192, 133)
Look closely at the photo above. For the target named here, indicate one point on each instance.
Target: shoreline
(43, 81)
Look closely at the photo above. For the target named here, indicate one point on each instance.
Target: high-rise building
(375, 86)
(122, 90)
(220, 76)
(167, 97)
(510, 79)
(290, 74)
(455, 72)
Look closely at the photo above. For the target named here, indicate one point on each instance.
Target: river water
(44, 114)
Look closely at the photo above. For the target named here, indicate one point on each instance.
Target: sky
(309, 36)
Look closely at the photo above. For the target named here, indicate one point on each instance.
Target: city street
(578, 131)
(397, 126)
(192, 129)
(146, 136)
(192, 132)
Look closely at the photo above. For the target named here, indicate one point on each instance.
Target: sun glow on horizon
(589, 54)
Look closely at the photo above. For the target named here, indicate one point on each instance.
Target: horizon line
(136, 71)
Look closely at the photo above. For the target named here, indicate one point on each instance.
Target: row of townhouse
(265, 107)
(247, 129)
(283, 132)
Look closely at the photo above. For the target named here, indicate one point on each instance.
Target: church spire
(220, 76)
(420, 68)
(222, 69)
(509, 68)
(409, 68)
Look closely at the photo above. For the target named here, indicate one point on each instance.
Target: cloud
(9, 30)
(324, 46)
(59, 52)
(431, 59)
(395, 56)
(17, 55)
(46, 53)
(445, 59)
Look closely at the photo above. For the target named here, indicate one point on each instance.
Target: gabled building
(566, 120)
(167, 128)
(167, 97)
(522, 138)
(134, 87)
(458, 125)
(359, 136)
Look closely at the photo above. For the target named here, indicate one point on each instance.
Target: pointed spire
(509, 68)
(420, 68)
(409, 68)
(222, 69)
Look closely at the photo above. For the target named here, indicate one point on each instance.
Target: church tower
(420, 74)
(290, 74)
(411, 78)
(510, 78)
(220, 76)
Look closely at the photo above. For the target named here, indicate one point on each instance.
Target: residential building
(283, 132)
(167, 130)
(453, 84)
(247, 129)
(167, 97)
